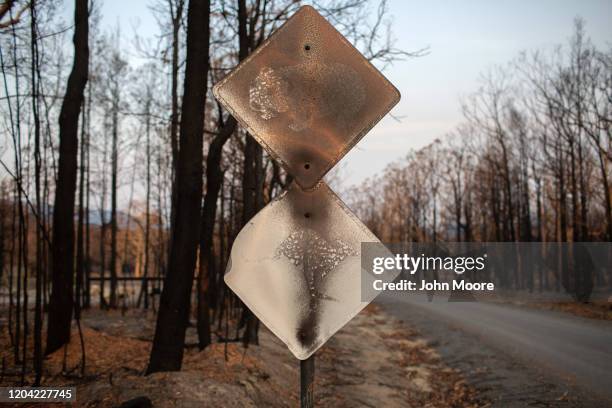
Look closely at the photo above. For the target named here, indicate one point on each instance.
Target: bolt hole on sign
(307, 96)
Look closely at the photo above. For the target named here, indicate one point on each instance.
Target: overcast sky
(466, 37)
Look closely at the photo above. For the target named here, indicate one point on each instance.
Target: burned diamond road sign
(297, 266)
(307, 96)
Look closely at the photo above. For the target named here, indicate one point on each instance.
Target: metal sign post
(307, 371)
(307, 96)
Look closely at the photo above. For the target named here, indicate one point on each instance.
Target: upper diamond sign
(307, 96)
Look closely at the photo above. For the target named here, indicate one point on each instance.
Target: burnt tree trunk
(214, 178)
(147, 238)
(173, 315)
(87, 294)
(37, 175)
(177, 18)
(249, 176)
(114, 181)
(60, 302)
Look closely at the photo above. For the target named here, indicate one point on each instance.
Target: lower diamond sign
(296, 265)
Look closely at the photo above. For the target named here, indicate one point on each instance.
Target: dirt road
(516, 356)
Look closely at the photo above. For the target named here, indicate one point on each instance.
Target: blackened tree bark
(214, 178)
(37, 171)
(173, 315)
(147, 238)
(114, 186)
(80, 243)
(87, 294)
(60, 302)
(249, 174)
(176, 13)
(102, 241)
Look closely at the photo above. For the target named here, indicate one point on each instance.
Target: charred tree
(176, 15)
(249, 173)
(173, 315)
(37, 182)
(60, 302)
(214, 179)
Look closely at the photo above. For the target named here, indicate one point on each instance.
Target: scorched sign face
(307, 96)
(297, 266)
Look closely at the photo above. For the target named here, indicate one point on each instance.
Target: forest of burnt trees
(124, 182)
(530, 162)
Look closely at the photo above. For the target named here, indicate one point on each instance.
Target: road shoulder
(497, 375)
